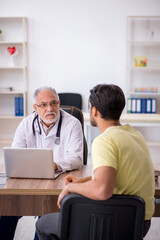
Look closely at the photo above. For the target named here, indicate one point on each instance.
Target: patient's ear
(94, 111)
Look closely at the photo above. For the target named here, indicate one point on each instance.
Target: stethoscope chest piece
(57, 140)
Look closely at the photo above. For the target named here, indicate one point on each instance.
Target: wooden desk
(33, 197)
(30, 197)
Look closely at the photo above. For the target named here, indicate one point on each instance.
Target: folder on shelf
(21, 113)
(154, 105)
(148, 105)
(16, 106)
(19, 109)
(143, 105)
(129, 105)
(138, 105)
(134, 105)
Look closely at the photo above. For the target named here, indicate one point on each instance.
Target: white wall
(73, 45)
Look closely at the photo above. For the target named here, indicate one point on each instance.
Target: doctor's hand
(61, 195)
(55, 166)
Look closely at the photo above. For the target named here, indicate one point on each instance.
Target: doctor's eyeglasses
(44, 105)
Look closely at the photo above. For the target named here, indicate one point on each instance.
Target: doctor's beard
(52, 120)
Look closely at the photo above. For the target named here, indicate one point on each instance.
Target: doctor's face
(47, 107)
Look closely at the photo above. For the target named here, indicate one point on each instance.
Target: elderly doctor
(40, 129)
(48, 127)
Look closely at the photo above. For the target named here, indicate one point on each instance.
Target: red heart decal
(11, 50)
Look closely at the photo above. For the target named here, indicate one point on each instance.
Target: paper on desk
(3, 180)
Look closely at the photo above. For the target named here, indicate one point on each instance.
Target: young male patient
(120, 160)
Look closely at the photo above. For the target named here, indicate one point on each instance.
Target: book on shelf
(19, 107)
(141, 105)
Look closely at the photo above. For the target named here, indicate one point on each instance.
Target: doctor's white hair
(41, 89)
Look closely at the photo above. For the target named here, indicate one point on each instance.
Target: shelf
(11, 117)
(144, 43)
(5, 141)
(143, 68)
(12, 18)
(11, 43)
(143, 17)
(154, 144)
(12, 68)
(145, 93)
(143, 49)
(131, 117)
(13, 73)
(12, 92)
(140, 118)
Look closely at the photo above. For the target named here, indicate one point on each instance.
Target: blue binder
(21, 111)
(16, 103)
(143, 105)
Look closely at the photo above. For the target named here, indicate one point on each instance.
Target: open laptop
(29, 163)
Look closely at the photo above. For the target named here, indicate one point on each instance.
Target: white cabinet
(13, 76)
(143, 79)
(147, 124)
(143, 64)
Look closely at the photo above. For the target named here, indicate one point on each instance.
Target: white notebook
(29, 163)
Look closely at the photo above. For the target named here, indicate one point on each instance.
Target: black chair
(120, 217)
(71, 99)
(76, 112)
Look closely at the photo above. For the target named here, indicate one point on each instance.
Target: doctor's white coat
(69, 154)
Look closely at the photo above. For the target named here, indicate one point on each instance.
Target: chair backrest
(76, 112)
(120, 217)
(71, 99)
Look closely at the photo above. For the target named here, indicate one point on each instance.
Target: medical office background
(72, 45)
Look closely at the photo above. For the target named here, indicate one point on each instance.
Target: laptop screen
(29, 163)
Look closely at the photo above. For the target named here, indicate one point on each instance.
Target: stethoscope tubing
(57, 139)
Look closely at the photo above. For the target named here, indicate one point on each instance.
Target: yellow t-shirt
(124, 148)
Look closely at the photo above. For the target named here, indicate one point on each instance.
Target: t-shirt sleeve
(104, 153)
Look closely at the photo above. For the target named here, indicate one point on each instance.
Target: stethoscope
(57, 140)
